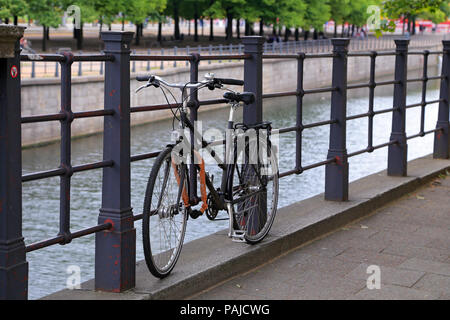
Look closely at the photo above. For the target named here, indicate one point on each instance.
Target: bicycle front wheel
(254, 190)
(164, 215)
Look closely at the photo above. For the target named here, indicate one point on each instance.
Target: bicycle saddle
(245, 97)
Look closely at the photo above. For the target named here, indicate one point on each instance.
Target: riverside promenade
(319, 249)
(408, 239)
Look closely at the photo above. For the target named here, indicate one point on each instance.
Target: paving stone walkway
(409, 240)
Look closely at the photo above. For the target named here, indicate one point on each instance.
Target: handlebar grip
(230, 81)
(143, 78)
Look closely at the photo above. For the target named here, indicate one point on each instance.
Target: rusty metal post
(442, 137)
(398, 152)
(13, 264)
(193, 115)
(66, 148)
(115, 249)
(253, 76)
(336, 173)
(253, 113)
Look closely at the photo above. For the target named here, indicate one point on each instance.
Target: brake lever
(143, 87)
(151, 82)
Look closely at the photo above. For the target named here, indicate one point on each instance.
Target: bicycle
(248, 191)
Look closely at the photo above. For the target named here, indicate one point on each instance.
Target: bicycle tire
(253, 234)
(151, 218)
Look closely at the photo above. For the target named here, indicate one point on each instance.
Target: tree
(410, 9)
(438, 15)
(137, 11)
(317, 13)
(339, 9)
(48, 13)
(357, 15)
(12, 8)
(192, 9)
(87, 14)
(226, 9)
(107, 11)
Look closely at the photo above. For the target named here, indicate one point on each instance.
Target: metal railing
(115, 249)
(48, 69)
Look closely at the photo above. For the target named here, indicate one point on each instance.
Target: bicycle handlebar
(155, 80)
(234, 82)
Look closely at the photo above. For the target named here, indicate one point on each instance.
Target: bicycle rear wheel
(164, 215)
(254, 189)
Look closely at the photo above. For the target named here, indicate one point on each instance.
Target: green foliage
(46, 12)
(397, 8)
(317, 13)
(10, 8)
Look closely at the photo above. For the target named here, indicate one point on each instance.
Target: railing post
(115, 249)
(253, 46)
(336, 173)
(398, 152)
(442, 137)
(13, 264)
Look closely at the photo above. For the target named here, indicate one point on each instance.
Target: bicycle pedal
(194, 214)
(238, 236)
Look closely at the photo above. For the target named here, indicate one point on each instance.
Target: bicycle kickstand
(235, 235)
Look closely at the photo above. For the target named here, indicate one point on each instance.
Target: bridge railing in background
(47, 69)
(115, 244)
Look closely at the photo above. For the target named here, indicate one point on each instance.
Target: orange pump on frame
(202, 175)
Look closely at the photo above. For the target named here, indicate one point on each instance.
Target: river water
(48, 267)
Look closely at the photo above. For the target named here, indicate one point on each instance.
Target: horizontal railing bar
(93, 166)
(421, 134)
(318, 164)
(145, 156)
(416, 79)
(379, 146)
(139, 57)
(93, 113)
(358, 86)
(225, 56)
(419, 104)
(385, 83)
(319, 90)
(318, 124)
(279, 94)
(436, 78)
(44, 117)
(141, 215)
(352, 154)
(280, 56)
(43, 174)
(61, 171)
(384, 111)
(288, 173)
(417, 52)
(93, 57)
(212, 101)
(290, 129)
(357, 116)
(318, 55)
(153, 107)
(42, 57)
(436, 52)
(62, 116)
(61, 239)
(44, 244)
(360, 54)
(387, 53)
